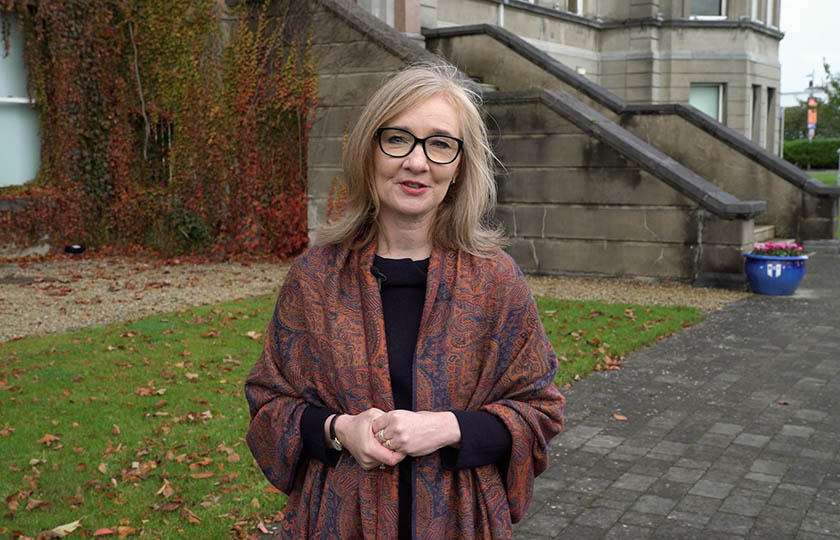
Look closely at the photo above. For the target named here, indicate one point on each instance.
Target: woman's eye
(396, 139)
(442, 144)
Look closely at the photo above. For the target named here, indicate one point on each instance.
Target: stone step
(763, 233)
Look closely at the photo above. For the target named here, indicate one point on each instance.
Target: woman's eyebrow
(435, 131)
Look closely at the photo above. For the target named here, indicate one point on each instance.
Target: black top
(484, 437)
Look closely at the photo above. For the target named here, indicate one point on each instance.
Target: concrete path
(732, 430)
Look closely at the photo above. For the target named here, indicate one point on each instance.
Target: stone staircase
(591, 185)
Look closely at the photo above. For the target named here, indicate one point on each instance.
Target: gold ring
(381, 465)
(388, 444)
(381, 435)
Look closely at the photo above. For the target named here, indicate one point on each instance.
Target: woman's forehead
(436, 114)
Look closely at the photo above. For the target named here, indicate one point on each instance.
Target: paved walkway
(732, 430)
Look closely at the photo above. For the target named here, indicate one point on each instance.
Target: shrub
(820, 153)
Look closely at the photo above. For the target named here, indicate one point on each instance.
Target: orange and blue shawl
(481, 346)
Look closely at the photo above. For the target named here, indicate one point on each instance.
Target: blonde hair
(462, 217)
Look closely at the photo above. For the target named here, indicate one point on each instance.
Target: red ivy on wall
(167, 124)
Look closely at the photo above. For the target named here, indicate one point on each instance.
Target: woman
(406, 386)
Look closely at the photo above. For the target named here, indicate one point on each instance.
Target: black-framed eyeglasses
(398, 142)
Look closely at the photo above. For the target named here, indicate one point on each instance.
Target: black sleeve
(484, 440)
(312, 428)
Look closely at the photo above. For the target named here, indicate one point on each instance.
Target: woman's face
(414, 186)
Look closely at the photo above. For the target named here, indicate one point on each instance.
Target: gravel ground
(59, 296)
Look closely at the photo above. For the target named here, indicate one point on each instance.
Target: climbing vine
(175, 125)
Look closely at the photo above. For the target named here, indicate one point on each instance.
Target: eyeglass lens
(441, 149)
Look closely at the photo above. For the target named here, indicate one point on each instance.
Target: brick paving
(732, 430)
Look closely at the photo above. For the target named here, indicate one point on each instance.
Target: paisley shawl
(481, 346)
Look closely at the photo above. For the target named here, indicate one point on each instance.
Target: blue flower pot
(772, 274)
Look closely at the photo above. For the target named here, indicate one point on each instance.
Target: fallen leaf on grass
(199, 476)
(188, 514)
(47, 439)
(195, 465)
(620, 417)
(115, 430)
(783, 403)
(192, 377)
(101, 468)
(63, 530)
(170, 506)
(253, 335)
(7, 430)
(34, 503)
(104, 532)
(166, 490)
(123, 531)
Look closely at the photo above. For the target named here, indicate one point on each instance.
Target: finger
(380, 422)
(383, 455)
(393, 459)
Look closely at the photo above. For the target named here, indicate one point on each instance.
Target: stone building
(721, 56)
(607, 168)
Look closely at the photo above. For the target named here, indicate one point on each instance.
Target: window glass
(707, 8)
(19, 140)
(706, 97)
(770, 19)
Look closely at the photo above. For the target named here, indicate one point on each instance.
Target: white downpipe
(500, 19)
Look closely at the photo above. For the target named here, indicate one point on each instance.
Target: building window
(576, 7)
(755, 113)
(715, 9)
(20, 143)
(771, 119)
(708, 98)
(754, 10)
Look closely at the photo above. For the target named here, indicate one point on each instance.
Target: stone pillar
(407, 16)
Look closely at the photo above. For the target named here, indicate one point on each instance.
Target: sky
(812, 31)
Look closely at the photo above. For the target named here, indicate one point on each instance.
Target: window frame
(722, 16)
(721, 95)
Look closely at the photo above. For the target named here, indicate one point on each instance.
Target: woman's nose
(417, 159)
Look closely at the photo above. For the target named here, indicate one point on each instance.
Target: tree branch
(147, 129)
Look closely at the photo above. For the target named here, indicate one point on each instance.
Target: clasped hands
(378, 439)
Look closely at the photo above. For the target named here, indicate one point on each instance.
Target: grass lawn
(139, 427)
(594, 335)
(829, 179)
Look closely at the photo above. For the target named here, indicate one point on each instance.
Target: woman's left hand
(417, 433)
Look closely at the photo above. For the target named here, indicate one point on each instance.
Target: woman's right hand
(356, 435)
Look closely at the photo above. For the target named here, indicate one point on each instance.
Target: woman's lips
(413, 188)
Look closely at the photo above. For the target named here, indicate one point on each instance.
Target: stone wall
(573, 204)
(719, 163)
(356, 53)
